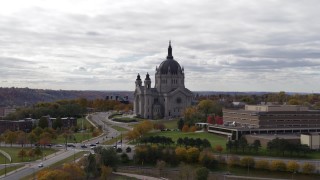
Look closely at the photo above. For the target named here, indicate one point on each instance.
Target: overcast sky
(224, 45)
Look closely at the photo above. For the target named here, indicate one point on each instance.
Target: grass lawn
(212, 138)
(113, 140)
(11, 168)
(86, 123)
(13, 152)
(118, 128)
(78, 136)
(169, 124)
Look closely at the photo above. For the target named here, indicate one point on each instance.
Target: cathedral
(168, 98)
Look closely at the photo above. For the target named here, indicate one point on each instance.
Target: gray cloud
(223, 45)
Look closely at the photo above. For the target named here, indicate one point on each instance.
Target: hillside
(21, 96)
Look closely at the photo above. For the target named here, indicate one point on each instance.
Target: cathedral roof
(170, 65)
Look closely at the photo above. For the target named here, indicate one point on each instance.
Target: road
(32, 168)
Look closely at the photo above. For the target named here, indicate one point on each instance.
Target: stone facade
(168, 98)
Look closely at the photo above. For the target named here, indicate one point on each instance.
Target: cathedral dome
(170, 65)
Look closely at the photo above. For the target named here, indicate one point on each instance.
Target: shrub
(262, 164)
(293, 166)
(278, 165)
(233, 161)
(128, 149)
(192, 154)
(181, 153)
(308, 168)
(247, 161)
(202, 173)
(119, 150)
(124, 158)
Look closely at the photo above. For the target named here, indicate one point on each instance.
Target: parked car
(59, 145)
(83, 146)
(40, 165)
(93, 145)
(97, 142)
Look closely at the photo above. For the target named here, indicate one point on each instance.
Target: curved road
(32, 168)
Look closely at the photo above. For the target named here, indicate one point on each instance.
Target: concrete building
(4, 111)
(22, 125)
(268, 119)
(169, 97)
(311, 139)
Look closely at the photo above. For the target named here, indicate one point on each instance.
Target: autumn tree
(218, 148)
(10, 137)
(53, 174)
(32, 138)
(75, 171)
(31, 153)
(192, 154)
(22, 153)
(106, 171)
(185, 128)
(21, 138)
(181, 153)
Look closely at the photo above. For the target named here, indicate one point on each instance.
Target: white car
(40, 165)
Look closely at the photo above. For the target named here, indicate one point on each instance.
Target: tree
(185, 128)
(293, 166)
(109, 158)
(193, 154)
(243, 143)
(43, 122)
(160, 166)
(277, 165)
(308, 168)
(32, 138)
(55, 174)
(106, 171)
(185, 171)
(262, 164)
(22, 153)
(21, 138)
(31, 153)
(75, 171)
(206, 107)
(38, 151)
(202, 173)
(247, 162)
(10, 137)
(193, 129)
(218, 148)
(256, 145)
(181, 153)
(180, 124)
(91, 166)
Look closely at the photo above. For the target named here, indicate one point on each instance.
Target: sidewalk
(142, 177)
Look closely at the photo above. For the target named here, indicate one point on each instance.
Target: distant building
(268, 119)
(68, 122)
(22, 125)
(169, 97)
(4, 111)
